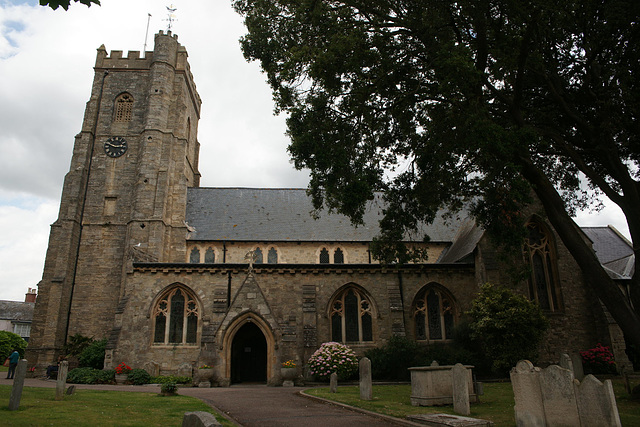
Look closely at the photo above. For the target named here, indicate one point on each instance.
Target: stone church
(176, 276)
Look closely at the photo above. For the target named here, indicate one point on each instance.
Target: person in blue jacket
(13, 362)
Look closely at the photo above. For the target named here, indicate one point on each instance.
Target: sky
(46, 71)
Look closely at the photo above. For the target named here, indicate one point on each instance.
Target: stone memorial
(460, 388)
(558, 396)
(199, 419)
(18, 384)
(525, 380)
(432, 385)
(596, 403)
(553, 397)
(333, 383)
(62, 379)
(366, 387)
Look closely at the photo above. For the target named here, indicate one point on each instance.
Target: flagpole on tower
(146, 34)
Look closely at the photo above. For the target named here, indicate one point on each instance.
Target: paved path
(257, 405)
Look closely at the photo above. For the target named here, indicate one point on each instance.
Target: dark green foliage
(392, 361)
(93, 355)
(170, 379)
(83, 376)
(76, 344)
(9, 342)
(54, 4)
(106, 376)
(169, 388)
(466, 104)
(91, 376)
(138, 377)
(508, 327)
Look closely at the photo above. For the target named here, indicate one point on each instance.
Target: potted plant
(288, 371)
(204, 373)
(122, 371)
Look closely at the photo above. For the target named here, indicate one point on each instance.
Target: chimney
(30, 295)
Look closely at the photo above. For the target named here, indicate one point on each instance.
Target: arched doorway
(249, 355)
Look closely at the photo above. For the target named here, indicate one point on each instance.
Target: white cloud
(46, 60)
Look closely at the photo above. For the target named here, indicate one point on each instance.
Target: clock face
(115, 146)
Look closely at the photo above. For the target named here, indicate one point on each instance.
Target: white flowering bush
(333, 357)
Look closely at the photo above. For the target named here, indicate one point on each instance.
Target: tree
(474, 102)
(9, 342)
(54, 4)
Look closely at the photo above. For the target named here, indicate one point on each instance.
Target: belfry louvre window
(542, 283)
(433, 314)
(351, 317)
(124, 108)
(176, 318)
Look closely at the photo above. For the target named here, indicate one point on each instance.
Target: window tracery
(434, 314)
(542, 282)
(351, 317)
(175, 318)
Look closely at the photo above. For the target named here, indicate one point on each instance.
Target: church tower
(125, 193)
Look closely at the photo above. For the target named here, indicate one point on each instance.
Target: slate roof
(285, 214)
(613, 250)
(16, 311)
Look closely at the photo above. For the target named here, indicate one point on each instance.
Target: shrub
(333, 357)
(598, 360)
(139, 377)
(76, 344)
(84, 376)
(509, 327)
(93, 355)
(169, 388)
(106, 376)
(392, 361)
(9, 342)
(170, 379)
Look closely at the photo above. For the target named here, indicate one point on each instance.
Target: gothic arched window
(324, 256)
(194, 256)
(124, 108)
(540, 250)
(257, 256)
(210, 256)
(351, 316)
(272, 256)
(433, 314)
(175, 317)
(338, 256)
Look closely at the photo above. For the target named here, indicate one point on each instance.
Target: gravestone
(333, 383)
(366, 388)
(529, 409)
(567, 363)
(62, 379)
(199, 419)
(558, 396)
(18, 384)
(596, 403)
(578, 369)
(70, 390)
(459, 376)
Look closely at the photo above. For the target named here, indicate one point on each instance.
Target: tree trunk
(593, 273)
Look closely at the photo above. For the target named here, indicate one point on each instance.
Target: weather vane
(171, 16)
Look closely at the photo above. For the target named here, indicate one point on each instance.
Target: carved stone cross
(252, 258)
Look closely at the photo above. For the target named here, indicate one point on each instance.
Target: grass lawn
(98, 408)
(496, 404)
